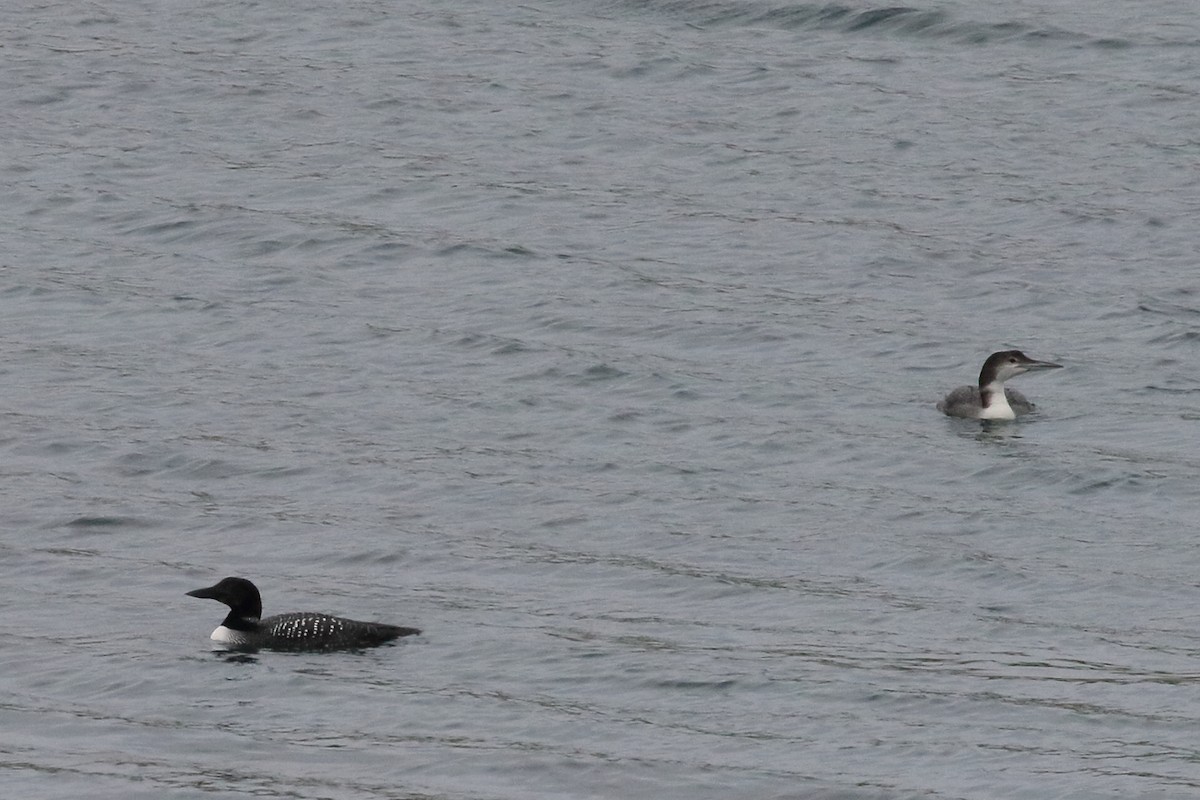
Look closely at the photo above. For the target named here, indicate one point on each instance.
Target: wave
(895, 20)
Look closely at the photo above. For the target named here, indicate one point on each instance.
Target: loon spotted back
(990, 400)
(243, 627)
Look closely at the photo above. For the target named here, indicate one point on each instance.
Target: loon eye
(1012, 360)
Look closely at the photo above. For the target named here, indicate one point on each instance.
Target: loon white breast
(990, 400)
(244, 628)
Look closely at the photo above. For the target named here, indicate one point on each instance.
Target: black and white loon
(302, 630)
(990, 400)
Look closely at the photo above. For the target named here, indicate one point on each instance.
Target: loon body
(990, 400)
(244, 628)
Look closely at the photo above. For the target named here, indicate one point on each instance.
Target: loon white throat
(990, 399)
(244, 628)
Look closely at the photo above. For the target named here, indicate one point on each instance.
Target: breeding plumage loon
(990, 400)
(243, 627)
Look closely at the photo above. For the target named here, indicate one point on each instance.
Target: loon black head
(1006, 364)
(242, 597)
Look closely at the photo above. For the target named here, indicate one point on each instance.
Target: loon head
(1006, 364)
(242, 597)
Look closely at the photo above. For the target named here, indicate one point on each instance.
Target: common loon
(243, 627)
(990, 400)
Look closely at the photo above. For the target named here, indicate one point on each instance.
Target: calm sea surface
(601, 341)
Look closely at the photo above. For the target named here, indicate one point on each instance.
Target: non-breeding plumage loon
(990, 400)
(243, 627)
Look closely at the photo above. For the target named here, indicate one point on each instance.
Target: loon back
(301, 630)
(243, 628)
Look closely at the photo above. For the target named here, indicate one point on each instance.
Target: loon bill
(244, 628)
(990, 400)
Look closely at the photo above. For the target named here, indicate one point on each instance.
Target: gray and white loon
(243, 627)
(990, 400)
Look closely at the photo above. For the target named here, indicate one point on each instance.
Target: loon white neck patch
(997, 403)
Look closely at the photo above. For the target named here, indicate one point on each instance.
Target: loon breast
(229, 636)
(966, 402)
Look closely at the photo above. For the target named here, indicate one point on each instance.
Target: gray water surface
(601, 341)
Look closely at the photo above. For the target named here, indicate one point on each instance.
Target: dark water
(601, 341)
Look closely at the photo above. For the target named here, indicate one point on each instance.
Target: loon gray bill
(990, 400)
(243, 627)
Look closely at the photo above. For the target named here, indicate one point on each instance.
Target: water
(601, 341)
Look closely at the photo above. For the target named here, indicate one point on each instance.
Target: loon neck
(994, 402)
(240, 622)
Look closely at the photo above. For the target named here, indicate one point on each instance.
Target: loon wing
(1020, 404)
(962, 402)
